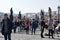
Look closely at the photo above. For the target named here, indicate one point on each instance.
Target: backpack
(35, 23)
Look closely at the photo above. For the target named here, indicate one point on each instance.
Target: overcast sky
(28, 5)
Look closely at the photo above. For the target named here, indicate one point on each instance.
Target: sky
(28, 6)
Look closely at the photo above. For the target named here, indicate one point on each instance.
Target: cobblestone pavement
(23, 36)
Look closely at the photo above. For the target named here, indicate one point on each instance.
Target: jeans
(7, 36)
(33, 30)
(30, 27)
(20, 28)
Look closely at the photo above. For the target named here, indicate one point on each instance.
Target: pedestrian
(6, 27)
(23, 25)
(30, 25)
(20, 24)
(34, 26)
(51, 28)
(15, 26)
(42, 28)
(27, 24)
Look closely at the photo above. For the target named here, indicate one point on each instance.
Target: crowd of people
(28, 25)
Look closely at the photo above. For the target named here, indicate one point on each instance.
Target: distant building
(30, 15)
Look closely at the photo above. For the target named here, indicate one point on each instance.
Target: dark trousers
(50, 33)
(7, 36)
(42, 31)
(14, 29)
(33, 30)
(27, 30)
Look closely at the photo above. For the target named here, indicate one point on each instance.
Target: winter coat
(27, 25)
(34, 23)
(9, 26)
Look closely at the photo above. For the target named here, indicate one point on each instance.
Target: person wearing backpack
(34, 26)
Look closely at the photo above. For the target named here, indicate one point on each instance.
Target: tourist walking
(6, 27)
(15, 26)
(42, 28)
(27, 24)
(34, 26)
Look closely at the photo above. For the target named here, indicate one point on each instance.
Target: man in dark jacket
(42, 28)
(6, 27)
